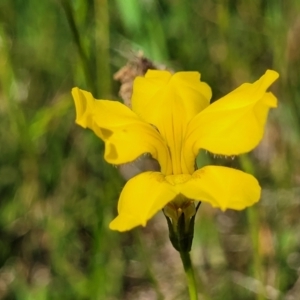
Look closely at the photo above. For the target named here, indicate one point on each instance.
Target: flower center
(178, 179)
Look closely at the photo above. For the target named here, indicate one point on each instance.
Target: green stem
(102, 40)
(253, 218)
(79, 45)
(189, 271)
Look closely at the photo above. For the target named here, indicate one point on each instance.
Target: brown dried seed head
(126, 75)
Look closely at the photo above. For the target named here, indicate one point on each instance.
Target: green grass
(57, 195)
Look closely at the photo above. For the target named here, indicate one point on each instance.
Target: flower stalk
(190, 276)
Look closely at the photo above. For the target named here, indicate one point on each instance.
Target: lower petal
(141, 198)
(147, 193)
(222, 187)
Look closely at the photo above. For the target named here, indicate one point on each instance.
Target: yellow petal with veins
(222, 187)
(154, 95)
(147, 193)
(142, 197)
(169, 102)
(234, 124)
(126, 136)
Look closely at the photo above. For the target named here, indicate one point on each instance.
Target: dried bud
(126, 75)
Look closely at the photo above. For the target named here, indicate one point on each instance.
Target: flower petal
(169, 102)
(222, 187)
(84, 102)
(125, 135)
(155, 92)
(234, 124)
(141, 198)
(147, 193)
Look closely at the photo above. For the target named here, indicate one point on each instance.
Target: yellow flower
(171, 119)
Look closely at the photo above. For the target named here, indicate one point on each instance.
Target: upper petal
(126, 136)
(169, 102)
(156, 93)
(141, 198)
(222, 187)
(235, 123)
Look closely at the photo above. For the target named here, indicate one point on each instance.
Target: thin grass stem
(252, 215)
(79, 45)
(102, 43)
(150, 273)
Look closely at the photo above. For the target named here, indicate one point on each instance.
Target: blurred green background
(57, 195)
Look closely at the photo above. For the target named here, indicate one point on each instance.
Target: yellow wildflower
(171, 119)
